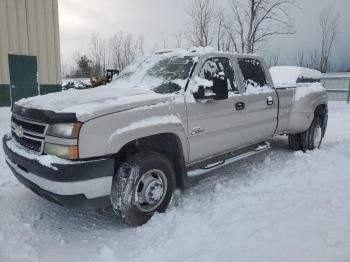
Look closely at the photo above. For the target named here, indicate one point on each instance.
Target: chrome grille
(29, 134)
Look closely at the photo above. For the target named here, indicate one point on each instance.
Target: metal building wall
(337, 86)
(30, 27)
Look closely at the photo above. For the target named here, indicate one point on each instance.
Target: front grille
(32, 145)
(37, 128)
(29, 134)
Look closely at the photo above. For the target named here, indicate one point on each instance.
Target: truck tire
(142, 186)
(315, 134)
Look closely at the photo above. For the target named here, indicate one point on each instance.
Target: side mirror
(220, 87)
(217, 90)
(200, 93)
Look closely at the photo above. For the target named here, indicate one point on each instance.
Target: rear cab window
(254, 76)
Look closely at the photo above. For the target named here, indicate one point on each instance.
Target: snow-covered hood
(91, 103)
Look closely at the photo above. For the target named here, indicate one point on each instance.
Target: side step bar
(211, 167)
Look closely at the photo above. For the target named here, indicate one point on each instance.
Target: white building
(29, 49)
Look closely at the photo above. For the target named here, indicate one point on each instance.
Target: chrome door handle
(269, 100)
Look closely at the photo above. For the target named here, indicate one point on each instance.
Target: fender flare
(123, 136)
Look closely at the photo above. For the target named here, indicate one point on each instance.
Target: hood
(91, 103)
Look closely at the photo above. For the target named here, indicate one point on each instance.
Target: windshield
(164, 75)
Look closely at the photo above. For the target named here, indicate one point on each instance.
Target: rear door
(260, 99)
(23, 77)
(214, 127)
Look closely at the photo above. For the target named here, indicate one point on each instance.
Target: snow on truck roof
(285, 76)
(197, 52)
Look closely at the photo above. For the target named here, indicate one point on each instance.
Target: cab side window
(253, 73)
(214, 66)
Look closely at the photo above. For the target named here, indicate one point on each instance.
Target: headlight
(66, 152)
(64, 130)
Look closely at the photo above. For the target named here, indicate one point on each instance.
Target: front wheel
(143, 185)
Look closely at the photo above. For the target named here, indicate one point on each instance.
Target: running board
(211, 167)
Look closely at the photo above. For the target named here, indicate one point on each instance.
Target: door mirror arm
(200, 94)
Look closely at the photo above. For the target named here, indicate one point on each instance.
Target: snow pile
(202, 50)
(289, 76)
(78, 83)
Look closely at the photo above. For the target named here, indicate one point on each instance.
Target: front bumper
(67, 183)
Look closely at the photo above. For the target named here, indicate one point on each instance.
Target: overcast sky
(158, 19)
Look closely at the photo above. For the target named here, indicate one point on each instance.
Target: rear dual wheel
(315, 134)
(310, 139)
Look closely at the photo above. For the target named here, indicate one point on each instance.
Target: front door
(213, 127)
(23, 77)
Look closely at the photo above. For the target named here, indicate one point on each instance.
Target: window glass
(213, 67)
(253, 73)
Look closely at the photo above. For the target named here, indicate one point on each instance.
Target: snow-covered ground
(285, 207)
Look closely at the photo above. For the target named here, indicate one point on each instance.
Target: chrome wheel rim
(151, 190)
(317, 136)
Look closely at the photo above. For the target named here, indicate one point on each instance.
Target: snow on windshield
(167, 73)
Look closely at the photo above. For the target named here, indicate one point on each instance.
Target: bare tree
(178, 38)
(273, 57)
(141, 45)
(201, 30)
(124, 48)
(221, 37)
(97, 54)
(328, 28)
(300, 60)
(164, 40)
(310, 60)
(328, 24)
(253, 22)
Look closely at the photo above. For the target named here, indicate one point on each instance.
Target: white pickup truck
(167, 118)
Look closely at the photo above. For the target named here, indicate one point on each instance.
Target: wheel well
(321, 111)
(167, 144)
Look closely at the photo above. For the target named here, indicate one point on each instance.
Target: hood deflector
(44, 116)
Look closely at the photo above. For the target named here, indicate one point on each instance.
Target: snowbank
(285, 207)
(289, 76)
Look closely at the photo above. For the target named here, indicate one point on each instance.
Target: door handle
(269, 100)
(240, 106)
